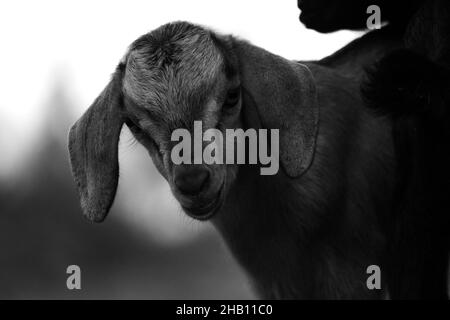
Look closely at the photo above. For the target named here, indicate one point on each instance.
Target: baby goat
(309, 231)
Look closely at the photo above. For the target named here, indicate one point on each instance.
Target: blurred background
(55, 58)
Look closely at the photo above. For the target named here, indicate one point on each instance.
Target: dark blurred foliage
(42, 232)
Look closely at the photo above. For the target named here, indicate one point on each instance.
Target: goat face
(176, 75)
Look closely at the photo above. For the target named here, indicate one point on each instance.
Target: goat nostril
(191, 181)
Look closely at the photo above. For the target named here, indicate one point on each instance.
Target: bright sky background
(80, 42)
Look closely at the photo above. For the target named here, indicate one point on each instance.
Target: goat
(411, 86)
(328, 15)
(309, 231)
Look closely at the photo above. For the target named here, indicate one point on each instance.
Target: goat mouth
(205, 212)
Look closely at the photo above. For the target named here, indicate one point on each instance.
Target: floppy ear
(284, 93)
(93, 149)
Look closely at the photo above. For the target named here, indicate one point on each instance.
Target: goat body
(411, 86)
(314, 237)
(309, 231)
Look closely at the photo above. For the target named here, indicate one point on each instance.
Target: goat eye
(140, 135)
(232, 98)
(135, 129)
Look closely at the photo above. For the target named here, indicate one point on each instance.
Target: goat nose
(190, 180)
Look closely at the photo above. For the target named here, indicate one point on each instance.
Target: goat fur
(310, 231)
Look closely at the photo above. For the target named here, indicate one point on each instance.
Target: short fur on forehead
(172, 68)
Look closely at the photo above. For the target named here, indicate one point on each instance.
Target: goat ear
(284, 94)
(93, 149)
